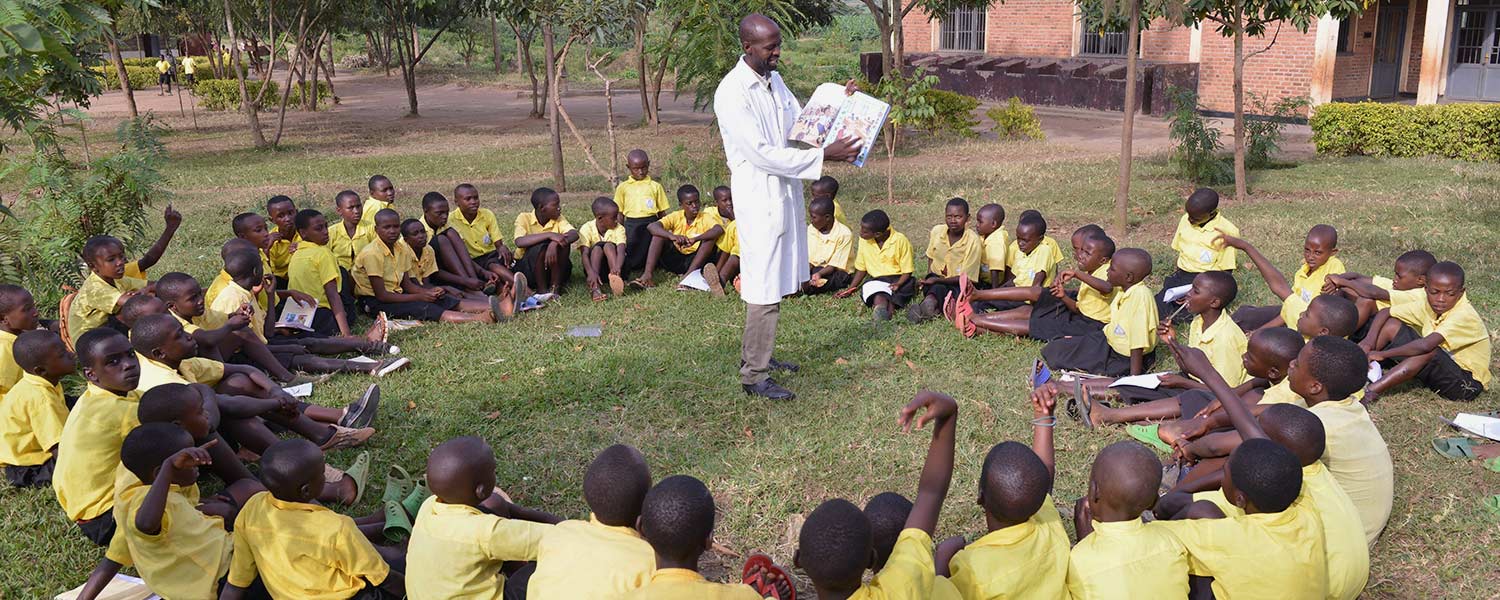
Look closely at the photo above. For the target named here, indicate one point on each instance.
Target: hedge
(224, 94)
(141, 78)
(1465, 131)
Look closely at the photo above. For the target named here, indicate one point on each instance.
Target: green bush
(1195, 145)
(143, 61)
(1016, 119)
(141, 78)
(952, 112)
(224, 94)
(1464, 131)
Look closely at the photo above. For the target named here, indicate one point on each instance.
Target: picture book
(830, 114)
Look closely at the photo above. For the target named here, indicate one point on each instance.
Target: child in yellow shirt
(543, 237)
(727, 270)
(830, 250)
(383, 283)
(1449, 351)
(1377, 293)
(685, 230)
(828, 187)
(603, 556)
(1118, 555)
(89, 449)
(347, 237)
(954, 253)
(106, 289)
(1210, 331)
(1126, 344)
(1328, 314)
(314, 270)
(382, 196)
(466, 531)
(479, 230)
(601, 249)
(1327, 374)
(989, 223)
(425, 270)
(33, 411)
(677, 518)
(1318, 262)
(252, 228)
(884, 256)
(1198, 247)
(450, 253)
(1046, 313)
(642, 201)
(285, 240)
(1030, 262)
(17, 315)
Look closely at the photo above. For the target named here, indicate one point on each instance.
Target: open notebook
(122, 587)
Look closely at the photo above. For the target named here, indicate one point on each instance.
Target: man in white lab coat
(755, 111)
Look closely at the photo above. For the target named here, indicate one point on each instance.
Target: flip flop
(1455, 447)
(1085, 404)
(950, 306)
(419, 494)
(360, 414)
(962, 310)
(1492, 504)
(1146, 434)
(397, 525)
(1492, 464)
(616, 284)
(520, 293)
(752, 575)
(398, 483)
(359, 471)
(965, 288)
(495, 309)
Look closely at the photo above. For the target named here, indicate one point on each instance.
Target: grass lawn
(662, 376)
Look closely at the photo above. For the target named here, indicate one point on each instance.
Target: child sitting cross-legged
(543, 237)
(467, 531)
(604, 556)
(685, 230)
(677, 518)
(1119, 555)
(1449, 347)
(89, 449)
(1050, 312)
(17, 315)
(383, 283)
(33, 411)
(954, 253)
(830, 250)
(1126, 344)
(601, 249)
(884, 256)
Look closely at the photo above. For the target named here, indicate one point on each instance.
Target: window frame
(977, 31)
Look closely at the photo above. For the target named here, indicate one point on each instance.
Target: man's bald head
(760, 38)
(756, 26)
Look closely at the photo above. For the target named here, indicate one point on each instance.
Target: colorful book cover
(831, 114)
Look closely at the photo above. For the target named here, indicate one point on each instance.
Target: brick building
(1432, 49)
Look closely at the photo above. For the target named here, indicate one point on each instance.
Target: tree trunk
(406, 56)
(495, 42)
(114, 57)
(328, 68)
(385, 57)
(638, 30)
(898, 36)
(1240, 184)
(559, 180)
(1127, 127)
(237, 70)
(661, 69)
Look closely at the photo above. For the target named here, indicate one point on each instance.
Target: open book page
(862, 117)
(816, 120)
(122, 587)
(872, 287)
(296, 315)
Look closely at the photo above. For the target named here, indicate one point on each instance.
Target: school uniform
(589, 235)
(31, 424)
(729, 242)
(302, 551)
(221, 281)
(280, 255)
(678, 259)
(641, 202)
(1460, 368)
(1128, 559)
(186, 558)
(10, 372)
(87, 454)
(1275, 556)
(1052, 319)
(391, 265)
(909, 573)
(95, 304)
(479, 235)
(367, 215)
(1359, 460)
(345, 247)
(1027, 560)
(1306, 285)
(588, 559)
(1131, 325)
(834, 248)
(528, 259)
(945, 259)
(456, 551)
(229, 300)
(1198, 251)
(426, 264)
(191, 370)
(1223, 342)
(683, 584)
(888, 262)
(1024, 267)
(310, 269)
(996, 256)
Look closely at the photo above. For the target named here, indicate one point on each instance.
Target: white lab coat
(755, 114)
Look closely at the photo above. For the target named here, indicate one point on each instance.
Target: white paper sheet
(122, 587)
(1374, 373)
(870, 288)
(1479, 425)
(1173, 294)
(299, 391)
(1149, 381)
(695, 281)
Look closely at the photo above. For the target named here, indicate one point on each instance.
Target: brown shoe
(711, 276)
(344, 437)
(616, 285)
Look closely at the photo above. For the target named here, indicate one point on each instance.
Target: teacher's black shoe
(776, 365)
(769, 390)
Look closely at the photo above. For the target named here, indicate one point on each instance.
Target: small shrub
(141, 61)
(224, 94)
(1263, 132)
(685, 165)
(1195, 146)
(1464, 131)
(141, 78)
(952, 113)
(1016, 119)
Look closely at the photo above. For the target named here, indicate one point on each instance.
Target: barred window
(963, 30)
(1102, 43)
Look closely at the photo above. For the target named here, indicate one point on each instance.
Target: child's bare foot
(596, 293)
(1173, 431)
(1487, 451)
(378, 332)
(737, 285)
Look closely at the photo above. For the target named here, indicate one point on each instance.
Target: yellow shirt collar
(280, 504)
(1007, 536)
(41, 381)
(630, 531)
(676, 575)
(1120, 528)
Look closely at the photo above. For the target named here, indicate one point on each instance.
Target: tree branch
(875, 8)
(434, 38)
(1268, 46)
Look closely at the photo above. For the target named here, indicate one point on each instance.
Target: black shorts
(164, 79)
(490, 259)
(677, 262)
(373, 592)
(899, 296)
(39, 476)
(100, 529)
(421, 311)
(1443, 375)
(1193, 401)
(530, 263)
(1090, 354)
(1250, 318)
(980, 306)
(939, 291)
(837, 280)
(1051, 319)
(637, 241)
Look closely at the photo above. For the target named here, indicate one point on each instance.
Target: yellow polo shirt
(1306, 286)
(527, 224)
(833, 248)
(230, 299)
(190, 370)
(951, 260)
(1198, 248)
(163, 66)
(996, 251)
(385, 262)
(1091, 302)
(222, 280)
(301, 551)
(1464, 334)
(943, 589)
(908, 574)
(367, 215)
(1042, 259)
(182, 561)
(641, 198)
(1026, 560)
(344, 246)
(89, 451)
(1281, 393)
(95, 302)
(31, 421)
(682, 584)
(311, 268)
(10, 372)
(1273, 556)
(729, 243)
(1396, 296)
(589, 236)
(1132, 321)
(1357, 456)
(188, 326)
(425, 265)
(188, 66)
(479, 235)
(456, 551)
(894, 257)
(1343, 532)
(1224, 343)
(1128, 559)
(280, 255)
(588, 559)
(676, 222)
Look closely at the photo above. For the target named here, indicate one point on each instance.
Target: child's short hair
(1106, 243)
(722, 188)
(1128, 473)
(11, 297)
(141, 306)
(174, 285)
(304, 218)
(1032, 218)
(455, 468)
(1447, 269)
(341, 196)
(1089, 230)
(685, 191)
(541, 195)
(1014, 482)
(822, 206)
(835, 542)
(1327, 232)
(1202, 201)
(387, 213)
(33, 348)
(887, 513)
(992, 211)
(1221, 285)
(1419, 260)
(1337, 313)
(96, 245)
(1135, 259)
(676, 517)
(464, 186)
(616, 484)
(828, 183)
(148, 446)
(1267, 473)
(375, 179)
(1296, 428)
(1338, 364)
(412, 225)
(1283, 343)
(88, 344)
(959, 202)
(166, 403)
(241, 222)
(151, 331)
(288, 465)
(876, 220)
(602, 204)
(278, 199)
(431, 199)
(1030, 213)
(241, 263)
(234, 244)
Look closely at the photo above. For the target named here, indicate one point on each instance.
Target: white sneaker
(390, 366)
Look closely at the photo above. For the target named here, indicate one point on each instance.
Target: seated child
(642, 201)
(1409, 285)
(215, 287)
(828, 187)
(1326, 374)
(727, 270)
(830, 249)
(1328, 314)
(466, 531)
(285, 240)
(1025, 553)
(382, 196)
(89, 449)
(1452, 354)
(313, 270)
(347, 237)
(106, 289)
(952, 250)
(33, 411)
(989, 223)
(451, 254)
(1199, 249)
(601, 248)
(1318, 262)
(414, 233)
(1223, 341)
(1050, 312)
(677, 518)
(17, 315)
(685, 229)
(383, 283)
(1031, 261)
(604, 556)
(542, 238)
(1118, 555)
(1126, 344)
(252, 228)
(480, 232)
(884, 255)
(887, 512)
(297, 547)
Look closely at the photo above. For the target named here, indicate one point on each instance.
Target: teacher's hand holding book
(844, 149)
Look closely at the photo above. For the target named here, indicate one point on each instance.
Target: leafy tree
(44, 45)
(523, 22)
(403, 18)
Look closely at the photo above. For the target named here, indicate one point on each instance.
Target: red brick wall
(1285, 70)
(1165, 42)
(1418, 31)
(1015, 28)
(1351, 71)
(918, 32)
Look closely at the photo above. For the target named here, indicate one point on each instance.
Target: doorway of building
(1390, 38)
(1475, 70)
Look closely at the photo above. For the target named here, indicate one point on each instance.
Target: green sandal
(1455, 447)
(398, 484)
(1492, 504)
(397, 525)
(1492, 464)
(1147, 434)
(419, 494)
(359, 471)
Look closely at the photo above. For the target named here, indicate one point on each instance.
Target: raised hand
(938, 407)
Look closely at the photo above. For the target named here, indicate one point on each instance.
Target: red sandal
(768, 579)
